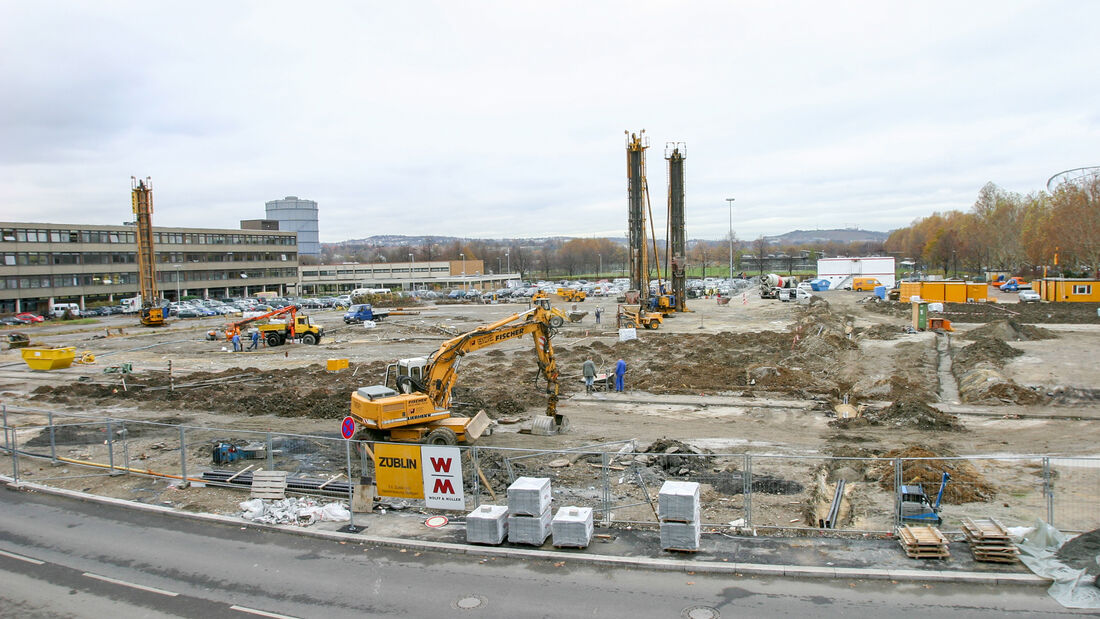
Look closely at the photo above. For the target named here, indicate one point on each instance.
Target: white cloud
(506, 119)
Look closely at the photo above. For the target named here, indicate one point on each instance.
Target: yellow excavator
(413, 403)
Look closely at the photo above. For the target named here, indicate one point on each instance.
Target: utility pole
(730, 200)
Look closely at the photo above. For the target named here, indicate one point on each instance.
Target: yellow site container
(977, 292)
(335, 365)
(954, 292)
(908, 291)
(49, 358)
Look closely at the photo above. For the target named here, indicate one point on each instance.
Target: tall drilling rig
(636, 145)
(141, 197)
(675, 152)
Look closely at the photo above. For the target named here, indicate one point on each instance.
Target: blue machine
(228, 452)
(915, 507)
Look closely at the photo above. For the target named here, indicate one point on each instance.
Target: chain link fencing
(620, 482)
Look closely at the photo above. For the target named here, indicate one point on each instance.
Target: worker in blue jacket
(620, 374)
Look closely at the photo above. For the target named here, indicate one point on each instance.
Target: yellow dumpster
(49, 358)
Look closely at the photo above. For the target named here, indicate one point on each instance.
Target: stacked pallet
(678, 509)
(529, 511)
(923, 542)
(989, 541)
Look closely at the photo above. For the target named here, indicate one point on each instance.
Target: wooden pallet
(923, 542)
(989, 541)
(269, 485)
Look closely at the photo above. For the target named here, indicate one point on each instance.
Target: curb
(664, 564)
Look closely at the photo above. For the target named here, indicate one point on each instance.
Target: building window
(1083, 289)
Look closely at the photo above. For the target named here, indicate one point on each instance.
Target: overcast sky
(494, 119)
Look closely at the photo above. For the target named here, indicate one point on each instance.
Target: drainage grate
(700, 612)
(469, 602)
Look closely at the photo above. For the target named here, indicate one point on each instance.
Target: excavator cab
(407, 373)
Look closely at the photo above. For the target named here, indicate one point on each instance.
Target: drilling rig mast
(675, 152)
(636, 146)
(141, 197)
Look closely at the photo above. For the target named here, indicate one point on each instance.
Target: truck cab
(361, 312)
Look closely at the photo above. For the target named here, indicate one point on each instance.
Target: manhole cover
(469, 602)
(700, 612)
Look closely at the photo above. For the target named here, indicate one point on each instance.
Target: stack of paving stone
(923, 542)
(487, 524)
(529, 511)
(989, 541)
(572, 526)
(678, 509)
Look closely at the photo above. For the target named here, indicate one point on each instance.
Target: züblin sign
(433, 474)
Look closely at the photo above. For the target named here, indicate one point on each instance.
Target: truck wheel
(441, 436)
(556, 321)
(310, 339)
(273, 339)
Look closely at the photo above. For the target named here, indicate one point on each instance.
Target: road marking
(132, 585)
(20, 557)
(262, 613)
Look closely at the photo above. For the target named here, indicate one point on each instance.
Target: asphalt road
(65, 558)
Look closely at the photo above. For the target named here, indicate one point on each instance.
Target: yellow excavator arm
(441, 371)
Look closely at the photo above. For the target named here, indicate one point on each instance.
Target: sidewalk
(814, 557)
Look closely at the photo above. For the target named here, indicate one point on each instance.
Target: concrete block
(487, 524)
(572, 526)
(678, 501)
(529, 496)
(529, 529)
(680, 535)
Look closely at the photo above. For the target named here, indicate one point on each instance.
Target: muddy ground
(755, 376)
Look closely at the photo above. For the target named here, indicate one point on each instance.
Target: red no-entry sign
(347, 428)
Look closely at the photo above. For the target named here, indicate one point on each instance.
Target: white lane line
(262, 613)
(12, 555)
(132, 585)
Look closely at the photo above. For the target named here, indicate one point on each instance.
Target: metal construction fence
(616, 479)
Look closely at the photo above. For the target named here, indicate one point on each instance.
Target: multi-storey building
(44, 263)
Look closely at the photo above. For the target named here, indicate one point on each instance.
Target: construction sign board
(397, 471)
(443, 478)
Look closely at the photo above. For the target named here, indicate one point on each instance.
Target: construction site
(806, 418)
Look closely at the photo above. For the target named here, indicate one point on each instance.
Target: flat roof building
(44, 263)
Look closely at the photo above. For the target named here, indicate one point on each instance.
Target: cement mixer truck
(771, 285)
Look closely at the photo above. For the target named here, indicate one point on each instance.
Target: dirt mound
(966, 485)
(1010, 330)
(977, 368)
(989, 349)
(914, 414)
(1081, 552)
(1030, 313)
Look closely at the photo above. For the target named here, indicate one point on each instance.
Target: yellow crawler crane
(416, 408)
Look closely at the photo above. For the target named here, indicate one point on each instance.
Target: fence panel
(1076, 488)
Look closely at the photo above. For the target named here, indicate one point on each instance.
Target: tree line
(1007, 231)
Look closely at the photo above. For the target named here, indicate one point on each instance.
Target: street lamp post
(508, 261)
(177, 283)
(412, 265)
(730, 200)
(600, 269)
(463, 256)
(499, 259)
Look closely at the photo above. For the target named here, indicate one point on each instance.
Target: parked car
(30, 317)
(1029, 296)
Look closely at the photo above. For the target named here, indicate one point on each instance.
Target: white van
(58, 310)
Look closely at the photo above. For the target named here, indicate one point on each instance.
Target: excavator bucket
(549, 426)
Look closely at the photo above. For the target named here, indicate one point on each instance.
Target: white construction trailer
(840, 271)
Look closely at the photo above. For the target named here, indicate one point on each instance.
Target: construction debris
(302, 512)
